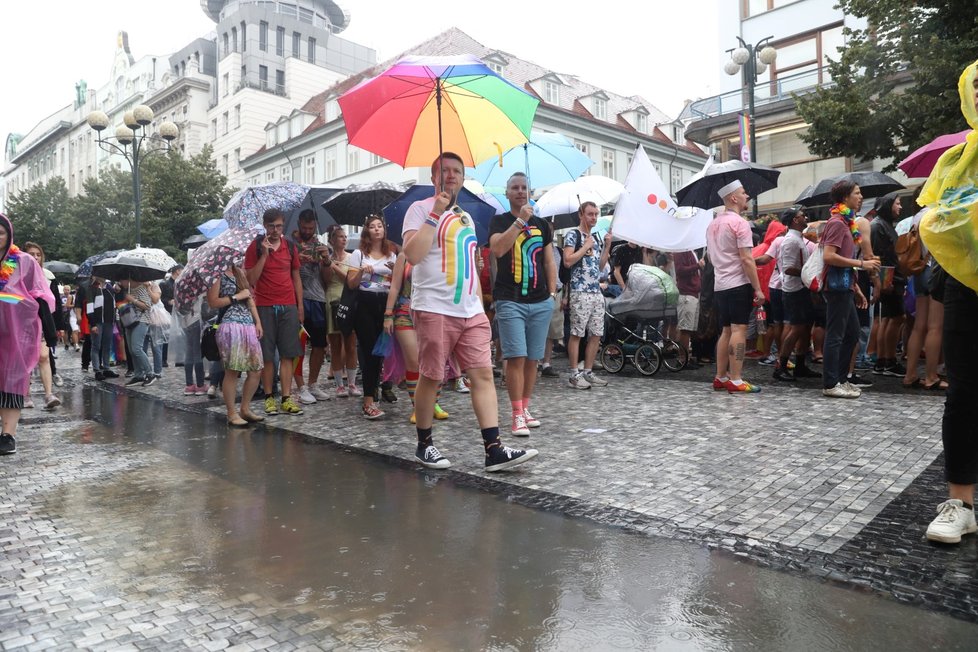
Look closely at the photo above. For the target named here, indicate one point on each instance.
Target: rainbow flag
(745, 142)
(7, 297)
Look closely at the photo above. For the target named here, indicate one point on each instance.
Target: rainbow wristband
(431, 222)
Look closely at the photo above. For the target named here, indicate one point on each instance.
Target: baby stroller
(632, 324)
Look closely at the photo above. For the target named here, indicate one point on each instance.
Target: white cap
(729, 188)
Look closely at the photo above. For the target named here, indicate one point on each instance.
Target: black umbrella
(872, 184)
(352, 204)
(314, 201)
(59, 267)
(702, 190)
(194, 241)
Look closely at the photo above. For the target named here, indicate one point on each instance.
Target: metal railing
(767, 92)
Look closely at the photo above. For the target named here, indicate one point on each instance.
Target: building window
(237, 159)
(805, 59)
(329, 163)
(551, 92)
(286, 173)
(263, 36)
(270, 176)
(224, 124)
(280, 41)
(280, 82)
(642, 123)
(244, 77)
(352, 159)
(296, 44)
(608, 163)
(244, 37)
(496, 67)
(677, 180)
(312, 50)
(214, 129)
(755, 7)
(600, 108)
(234, 39)
(224, 165)
(263, 77)
(225, 43)
(226, 83)
(376, 159)
(237, 116)
(310, 169)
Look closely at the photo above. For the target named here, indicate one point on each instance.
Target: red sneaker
(755, 354)
(744, 388)
(719, 385)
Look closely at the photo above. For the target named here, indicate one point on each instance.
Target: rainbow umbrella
(423, 106)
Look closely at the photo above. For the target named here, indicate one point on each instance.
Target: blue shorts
(523, 328)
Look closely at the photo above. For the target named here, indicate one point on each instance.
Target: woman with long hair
(342, 348)
(23, 288)
(399, 324)
(238, 338)
(50, 325)
(369, 273)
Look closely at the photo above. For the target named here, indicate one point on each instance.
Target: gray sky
(664, 50)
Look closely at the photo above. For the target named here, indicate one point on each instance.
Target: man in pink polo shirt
(736, 286)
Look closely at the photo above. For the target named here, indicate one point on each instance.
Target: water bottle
(761, 320)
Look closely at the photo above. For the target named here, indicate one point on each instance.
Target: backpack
(564, 272)
(910, 253)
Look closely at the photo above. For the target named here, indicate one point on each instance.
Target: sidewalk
(840, 489)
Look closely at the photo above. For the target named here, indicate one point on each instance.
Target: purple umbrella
(923, 159)
(208, 262)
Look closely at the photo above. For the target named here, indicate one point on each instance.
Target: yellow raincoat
(950, 227)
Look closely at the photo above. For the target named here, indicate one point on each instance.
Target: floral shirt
(586, 274)
(237, 313)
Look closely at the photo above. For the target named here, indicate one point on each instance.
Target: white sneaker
(305, 396)
(852, 389)
(839, 391)
(953, 520)
(319, 393)
(354, 390)
(58, 380)
(577, 381)
(461, 386)
(595, 381)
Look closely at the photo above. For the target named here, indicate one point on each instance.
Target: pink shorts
(441, 335)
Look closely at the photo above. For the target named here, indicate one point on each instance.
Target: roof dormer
(548, 88)
(496, 62)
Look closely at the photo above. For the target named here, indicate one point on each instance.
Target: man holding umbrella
(440, 241)
(736, 286)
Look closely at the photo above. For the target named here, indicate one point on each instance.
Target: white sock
(351, 376)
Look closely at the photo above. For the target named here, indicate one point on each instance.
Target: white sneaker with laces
(839, 391)
(319, 393)
(596, 381)
(305, 397)
(852, 389)
(354, 390)
(953, 520)
(577, 381)
(461, 387)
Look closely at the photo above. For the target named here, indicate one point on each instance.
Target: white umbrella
(567, 197)
(140, 264)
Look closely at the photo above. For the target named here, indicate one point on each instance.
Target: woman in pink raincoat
(22, 287)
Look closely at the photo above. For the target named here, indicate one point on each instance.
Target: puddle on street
(402, 559)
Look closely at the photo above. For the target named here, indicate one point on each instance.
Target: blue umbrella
(480, 211)
(548, 159)
(248, 205)
(213, 228)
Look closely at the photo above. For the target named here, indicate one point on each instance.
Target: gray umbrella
(59, 267)
(872, 184)
(193, 241)
(352, 204)
(702, 190)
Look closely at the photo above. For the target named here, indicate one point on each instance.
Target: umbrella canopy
(702, 189)
(213, 228)
(872, 184)
(207, 263)
(422, 106)
(249, 204)
(480, 211)
(566, 198)
(85, 269)
(357, 201)
(547, 159)
(140, 265)
(313, 201)
(923, 159)
(59, 267)
(193, 241)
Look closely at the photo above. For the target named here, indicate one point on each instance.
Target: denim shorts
(523, 328)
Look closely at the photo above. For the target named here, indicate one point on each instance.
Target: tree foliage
(895, 83)
(177, 195)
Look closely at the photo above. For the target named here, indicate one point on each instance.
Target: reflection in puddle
(395, 559)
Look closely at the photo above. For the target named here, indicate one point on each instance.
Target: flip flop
(939, 385)
(252, 418)
(240, 423)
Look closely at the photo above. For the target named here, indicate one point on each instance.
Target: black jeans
(841, 336)
(960, 426)
(368, 323)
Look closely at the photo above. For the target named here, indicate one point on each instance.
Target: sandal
(939, 385)
(252, 418)
(237, 423)
(913, 384)
(372, 412)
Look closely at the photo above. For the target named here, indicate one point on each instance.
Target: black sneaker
(428, 455)
(388, 395)
(896, 370)
(149, 381)
(99, 375)
(500, 457)
(783, 374)
(7, 444)
(856, 381)
(135, 380)
(879, 369)
(550, 372)
(805, 372)
(130, 374)
(108, 373)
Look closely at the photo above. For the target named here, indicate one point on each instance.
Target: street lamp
(753, 60)
(130, 139)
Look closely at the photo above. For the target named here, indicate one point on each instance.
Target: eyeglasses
(275, 227)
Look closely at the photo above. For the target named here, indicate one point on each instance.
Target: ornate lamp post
(131, 143)
(753, 60)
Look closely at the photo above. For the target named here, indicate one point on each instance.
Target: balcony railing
(268, 87)
(767, 92)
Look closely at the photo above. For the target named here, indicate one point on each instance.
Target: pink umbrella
(207, 263)
(923, 160)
